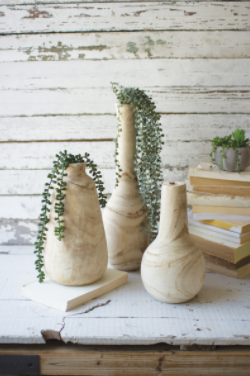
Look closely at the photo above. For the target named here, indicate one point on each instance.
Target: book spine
(209, 199)
(221, 190)
(220, 175)
(221, 210)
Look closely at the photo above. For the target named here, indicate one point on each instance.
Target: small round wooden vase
(81, 257)
(173, 267)
(124, 212)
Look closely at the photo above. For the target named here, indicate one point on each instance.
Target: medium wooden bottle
(173, 267)
(81, 257)
(124, 212)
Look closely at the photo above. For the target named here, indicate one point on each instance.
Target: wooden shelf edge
(158, 360)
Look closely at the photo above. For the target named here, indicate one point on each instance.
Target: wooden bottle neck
(173, 222)
(126, 141)
(75, 170)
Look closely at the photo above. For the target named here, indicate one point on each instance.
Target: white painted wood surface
(37, 155)
(57, 59)
(124, 16)
(88, 101)
(120, 45)
(65, 75)
(16, 2)
(218, 315)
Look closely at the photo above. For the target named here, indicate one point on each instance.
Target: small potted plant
(231, 153)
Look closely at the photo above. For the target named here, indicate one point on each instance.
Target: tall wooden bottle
(124, 212)
(81, 257)
(173, 267)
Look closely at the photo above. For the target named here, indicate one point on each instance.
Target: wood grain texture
(124, 213)
(124, 16)
(84, 360)
(81, 257)
(120, 46)
(173, 267)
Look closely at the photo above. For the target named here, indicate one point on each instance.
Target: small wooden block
(66, 298)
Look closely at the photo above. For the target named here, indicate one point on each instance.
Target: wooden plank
(66, 75)
(131, 317)
(189, 127)
(120, 45)
(133, 361)
(29, 2)
(124, 16)
(40, 155)
(55, 128)
(180, 100)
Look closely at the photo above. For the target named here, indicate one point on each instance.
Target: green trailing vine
(63, 159)
(235, 140)
(147, 159)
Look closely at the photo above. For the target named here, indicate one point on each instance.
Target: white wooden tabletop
(128, 315)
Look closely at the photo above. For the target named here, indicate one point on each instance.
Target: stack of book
(219, 222)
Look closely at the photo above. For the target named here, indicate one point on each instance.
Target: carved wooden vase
(81, 257)
(124, 212)
(173, 267)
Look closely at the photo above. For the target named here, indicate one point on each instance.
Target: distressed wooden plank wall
(57, 58)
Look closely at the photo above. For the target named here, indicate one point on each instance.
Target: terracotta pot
(81, 257)
(229, 163)
(124, 212)
(173, 267)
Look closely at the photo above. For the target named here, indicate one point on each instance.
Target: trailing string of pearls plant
(56, 181)
(147, 159)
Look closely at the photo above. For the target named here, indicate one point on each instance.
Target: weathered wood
(35, 2)
(18, 232)
(188, 127)
(20, 207)
(31, 182)
(132, 316)
(78, 128)
(180, 100)
(40, 155)
(66, 75)
(133, 361)
(124, 16)
(121, 45)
